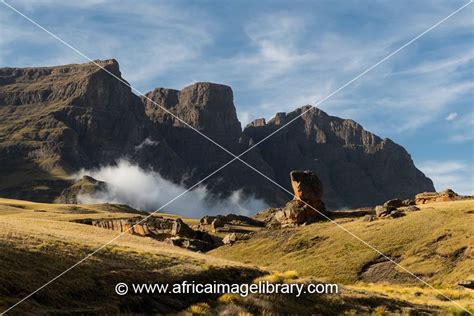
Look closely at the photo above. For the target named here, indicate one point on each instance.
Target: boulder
(295, 212)
(469, 284)
(306, 205)
(408, 202)
(190, 244)
(382, 211)
(432, 197)
(396, 214)
(393, 203)
(229, 238)
(181, 229)
(308, 188)
(231, 219)
(411, 208)
(217, 223)
(207, 220)
(369, 218)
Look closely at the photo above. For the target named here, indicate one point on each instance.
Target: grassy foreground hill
(435, 243)
(38, 241)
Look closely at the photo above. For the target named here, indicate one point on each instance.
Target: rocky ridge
(56, 120)
(173, 231)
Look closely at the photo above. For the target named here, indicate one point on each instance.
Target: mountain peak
(207, 94)
(206, 106)
(78, 116)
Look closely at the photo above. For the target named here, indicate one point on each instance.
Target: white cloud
(451, 116)
(463, 130)
(295, 65)
(146, 142)
(461, 138)
(147, 38)
(129, 184)
(452, 174)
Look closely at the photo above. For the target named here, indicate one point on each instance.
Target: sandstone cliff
(57, 120)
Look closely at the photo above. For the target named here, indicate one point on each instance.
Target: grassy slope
(36, 246)
(435, 243)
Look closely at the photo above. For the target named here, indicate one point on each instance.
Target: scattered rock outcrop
(229, 239)
(432, 197)
(173, 231)
(306, 205)
(395, 208)
(394, 203)
(230, 219)
(411, 208)
(467, 284)
(408, 202)
(382, 211)
(388, 212)
(230, 223)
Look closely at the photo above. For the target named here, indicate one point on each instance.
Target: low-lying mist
(129, 184)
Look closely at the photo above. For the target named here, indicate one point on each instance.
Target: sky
(280, 55)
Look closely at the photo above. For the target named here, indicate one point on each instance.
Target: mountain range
(55, 121)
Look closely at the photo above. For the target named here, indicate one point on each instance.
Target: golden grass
(278, 277)
(352, 300)
(20, 209)
(39, 241)
(37, 246)
(423, 295)
(435, 242)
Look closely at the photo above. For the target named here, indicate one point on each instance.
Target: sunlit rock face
(432, 197)
(307, 204)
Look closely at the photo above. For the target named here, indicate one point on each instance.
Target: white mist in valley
(129, 184)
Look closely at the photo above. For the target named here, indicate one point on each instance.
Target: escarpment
(55, 121)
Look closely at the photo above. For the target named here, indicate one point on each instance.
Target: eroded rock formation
(306, 205)
(231, 219)
(432, 197)
(308, 188)
(173, 231)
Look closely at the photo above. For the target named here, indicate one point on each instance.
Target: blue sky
(279, 55)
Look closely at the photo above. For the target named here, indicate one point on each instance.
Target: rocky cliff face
(57, 120)
(356, 167)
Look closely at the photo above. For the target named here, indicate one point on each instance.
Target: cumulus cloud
(129, 184)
